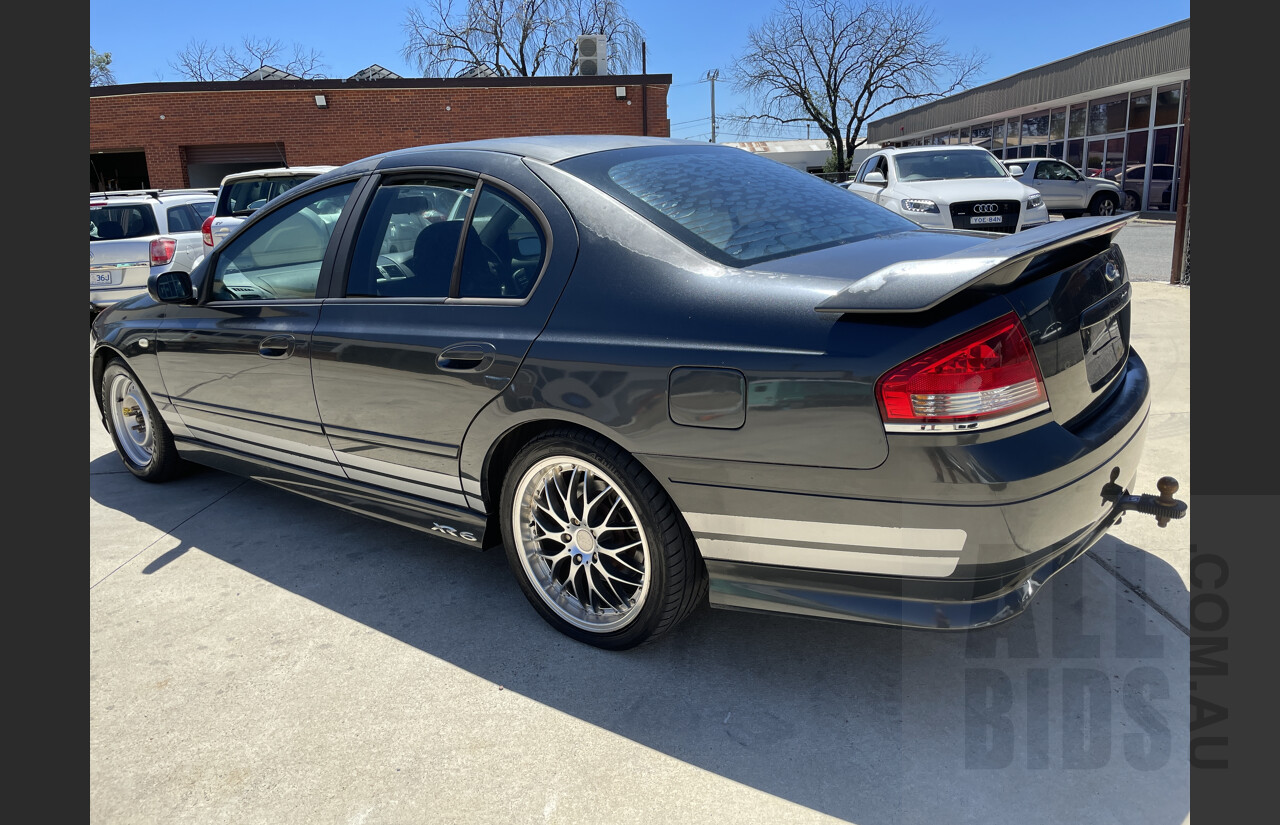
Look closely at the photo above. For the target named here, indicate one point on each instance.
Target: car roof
(903, 150)
(277, 171)
(135, 196)
(546, 148)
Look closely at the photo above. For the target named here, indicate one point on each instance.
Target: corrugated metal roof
(1160, 51)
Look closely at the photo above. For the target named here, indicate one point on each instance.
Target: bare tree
(202, 62)
(521, 38)
(838, 64)
(100, 68)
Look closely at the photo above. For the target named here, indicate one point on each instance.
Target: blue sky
(684, 39)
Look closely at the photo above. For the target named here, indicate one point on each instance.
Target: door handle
(276, 346)
(471, 356)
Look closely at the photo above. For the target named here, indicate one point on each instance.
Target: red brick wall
(358, 121)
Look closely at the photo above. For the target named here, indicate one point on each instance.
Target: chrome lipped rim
(581, 544)
(130, 420)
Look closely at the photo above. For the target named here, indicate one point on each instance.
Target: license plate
(986, 219)
(99, 278)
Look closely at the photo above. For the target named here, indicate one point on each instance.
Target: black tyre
(142, 439)
(1131, 201)
(1104, 204)
(598, 548)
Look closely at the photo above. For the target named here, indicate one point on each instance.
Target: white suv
(243, 193)
(949, 187)
(133, 234)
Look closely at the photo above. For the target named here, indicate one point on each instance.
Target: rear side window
(186, 218)
(731, 205)
(109, 223)
(246, 196)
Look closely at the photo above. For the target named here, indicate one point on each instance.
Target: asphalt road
(259, 657)
(1148, 249)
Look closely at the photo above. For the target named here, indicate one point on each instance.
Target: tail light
(162, 250)
(206, 232)
(982, 378)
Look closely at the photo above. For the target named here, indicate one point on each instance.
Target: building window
(1075, 153)
(980, 135)
(1079, 118)
(1167, 100)
(1108, 114)
(1035, 132)
(1139, 110)
(1058, 125)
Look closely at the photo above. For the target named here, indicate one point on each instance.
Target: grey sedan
(656, 373)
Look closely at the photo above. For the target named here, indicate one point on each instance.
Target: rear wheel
(1131, 201)
(596, 544)
(1104, 204)
(141, 437)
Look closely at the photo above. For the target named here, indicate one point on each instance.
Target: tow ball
(1163, 506)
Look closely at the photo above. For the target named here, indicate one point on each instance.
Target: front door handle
(276, 346)
(471, 356)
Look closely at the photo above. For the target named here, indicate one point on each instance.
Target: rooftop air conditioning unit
(592, 55)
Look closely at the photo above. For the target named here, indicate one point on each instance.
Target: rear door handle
(276, 346)
(470, 356)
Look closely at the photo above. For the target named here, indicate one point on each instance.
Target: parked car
(1160, 193)
(243, 193)
(135, 233)
(656, 371)
(952, 187)
(1064, 189)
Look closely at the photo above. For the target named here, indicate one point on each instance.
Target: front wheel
(1131, 201)
(596, 544)
(1103, 205)
(141, 437)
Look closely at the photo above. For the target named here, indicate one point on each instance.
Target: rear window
(246, 196)
(731, 205)
(109, 223)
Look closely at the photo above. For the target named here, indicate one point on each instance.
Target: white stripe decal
(327, 467)
(197, 420)
(409, 473)
(861, 536)
(421, 490)
(819, 558)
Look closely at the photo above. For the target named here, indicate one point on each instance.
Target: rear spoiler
(916, 286)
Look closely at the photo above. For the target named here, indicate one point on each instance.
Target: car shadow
(1078, 707)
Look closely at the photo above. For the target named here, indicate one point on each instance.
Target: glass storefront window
(1097, 152)
(1056, 149)
(1139, 110)
(1075, 153)
(997, 138)
(953, 138)
(1164, 168)
(1167, 100)
(964, 135)
(980, 135)
(1134, 178)
(1011, 133)
(1035, 131)
(1058, 125)
(1079, 117)
(1108, 114)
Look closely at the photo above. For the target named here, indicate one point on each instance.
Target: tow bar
(1163, 507)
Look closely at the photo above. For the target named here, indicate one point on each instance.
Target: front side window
(732, 206)
(947, 165)
(280, 256)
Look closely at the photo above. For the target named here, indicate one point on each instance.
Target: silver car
(133, 234)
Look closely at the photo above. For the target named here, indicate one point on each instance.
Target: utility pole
(712, 75)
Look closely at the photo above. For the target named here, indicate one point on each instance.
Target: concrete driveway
(259, 657)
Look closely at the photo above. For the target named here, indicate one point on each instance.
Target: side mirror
(173, 287)
(876, 178)
(1016, 170)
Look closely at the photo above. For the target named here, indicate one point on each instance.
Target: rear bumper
(950, 531)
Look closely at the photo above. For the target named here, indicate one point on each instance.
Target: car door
(1060, 186)
(419, 336)
(237, 367)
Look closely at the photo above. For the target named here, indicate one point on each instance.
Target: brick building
(170, 135)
